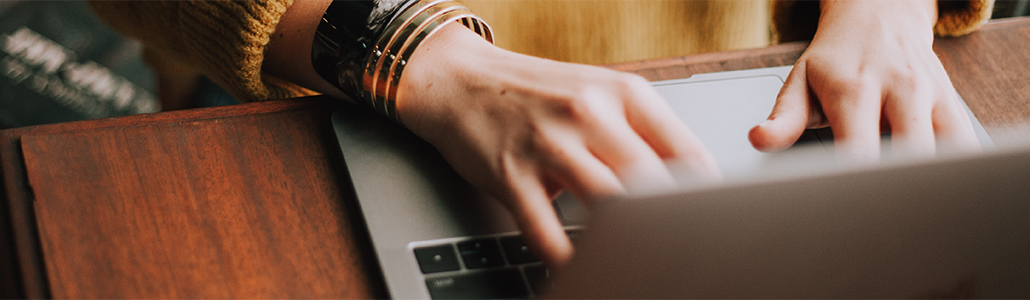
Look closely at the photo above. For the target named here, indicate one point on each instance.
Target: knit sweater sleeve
(797, 20)
(223, 40)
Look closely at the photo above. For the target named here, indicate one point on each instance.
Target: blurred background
(1011, 8)
(58, 63)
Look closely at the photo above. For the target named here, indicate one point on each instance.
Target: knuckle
(839, 80)
(908, 81)
(852, 88)
(584, 106)
(948, 110)
(503, 180)
(858, 84)
(546, 147)
(632, 85)
(634, 81)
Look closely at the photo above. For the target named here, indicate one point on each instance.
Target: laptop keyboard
(486, 267)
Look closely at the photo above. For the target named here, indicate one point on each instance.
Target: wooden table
(251, 201)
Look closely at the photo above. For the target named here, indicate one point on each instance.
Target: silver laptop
(437, 237)
(957, 227)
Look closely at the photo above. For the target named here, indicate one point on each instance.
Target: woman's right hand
(523, 128)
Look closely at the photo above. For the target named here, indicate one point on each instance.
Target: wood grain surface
(197, 205)
(990, 69)
(215, 209)
(251, 201)
(23, 273)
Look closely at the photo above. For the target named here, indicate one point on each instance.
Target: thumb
(790, 116)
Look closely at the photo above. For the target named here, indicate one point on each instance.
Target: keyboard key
(493, 284)
(481, 253)
(517, 251)
(539, 278)
(437, 259)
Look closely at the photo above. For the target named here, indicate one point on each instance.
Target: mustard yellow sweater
(225, 41)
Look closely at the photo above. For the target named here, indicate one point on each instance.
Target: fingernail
(766, 122)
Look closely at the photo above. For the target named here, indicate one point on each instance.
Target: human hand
(870, 68)
(524, 128)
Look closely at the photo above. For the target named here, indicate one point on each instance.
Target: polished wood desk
(251, 201)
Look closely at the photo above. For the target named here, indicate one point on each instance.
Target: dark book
(59, 63)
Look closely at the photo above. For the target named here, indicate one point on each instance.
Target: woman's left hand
(869, 69)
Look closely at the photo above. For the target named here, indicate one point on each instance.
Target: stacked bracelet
(362, 46)
(391, 52)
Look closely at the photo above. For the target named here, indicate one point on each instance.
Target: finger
(631, 159)
(654, 121)
(908, 111)
(853, 111)
(792, 113)
(539, 223)
(582, 173)
(952, 125)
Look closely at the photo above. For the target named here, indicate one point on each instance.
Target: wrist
(916, 17)
(928, 7)
(368, 62)
(440, 72)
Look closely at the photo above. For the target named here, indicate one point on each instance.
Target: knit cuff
(955, 18)
(227, 40)
(794, 20)
(797, 20)
(223, 40)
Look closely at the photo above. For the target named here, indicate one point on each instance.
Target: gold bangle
(391, 52)
(390, 35)
(396, 70)
(424, 17)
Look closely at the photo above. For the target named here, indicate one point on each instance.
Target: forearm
(288, 55)
(914, 19)
(924, 11)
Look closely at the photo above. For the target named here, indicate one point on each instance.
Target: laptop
(435, 236)
(957, 227)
